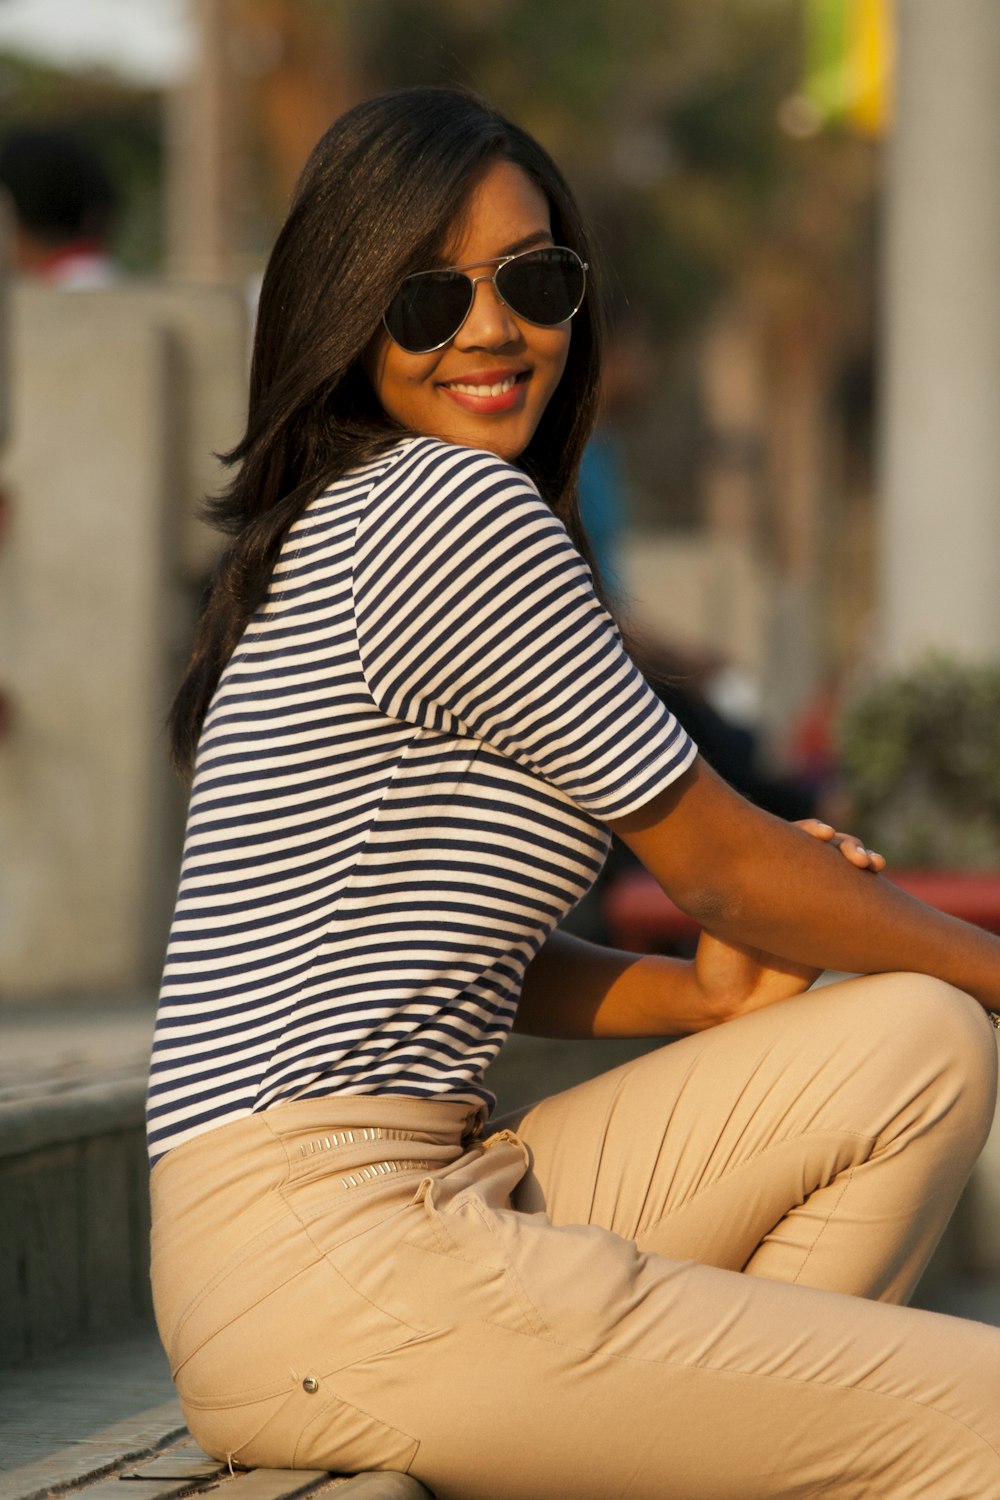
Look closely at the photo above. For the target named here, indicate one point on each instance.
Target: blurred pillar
(940, 520)
(6, 261)
(204, 160)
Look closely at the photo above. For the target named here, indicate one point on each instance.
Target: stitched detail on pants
(270, 1291)
(848, 1178)
(235, 1400)
(529, 1311)
(239, 1257)
(331, 1140)
(229, 1450)
(336, 1271)
(373, 1171)
(337, 1403)
(442, 1222)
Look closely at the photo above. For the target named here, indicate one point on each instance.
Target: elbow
(712, 906)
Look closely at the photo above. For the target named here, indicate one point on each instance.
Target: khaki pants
(641, 1293)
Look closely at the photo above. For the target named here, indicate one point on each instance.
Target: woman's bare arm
(753, 879)
(578, 989)
(573, 988)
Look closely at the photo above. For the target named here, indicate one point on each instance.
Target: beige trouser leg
(823, 1142)
(404, 1314)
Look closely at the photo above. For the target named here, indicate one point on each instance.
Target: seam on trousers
(243, 1312)
(530, 1315)
(331, 1405)
(336, 1271)
(529, 1311)
(848, 1179)
(247, 1250)
(232, 1453)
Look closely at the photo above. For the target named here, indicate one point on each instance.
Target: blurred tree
(665, 117)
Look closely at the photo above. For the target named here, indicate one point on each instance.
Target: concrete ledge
(74, 1217)
(76, 1114)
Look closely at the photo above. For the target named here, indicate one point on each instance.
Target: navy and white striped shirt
(399, 792)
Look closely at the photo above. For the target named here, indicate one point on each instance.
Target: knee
(943, 1027)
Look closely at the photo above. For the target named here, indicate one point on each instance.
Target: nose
(490, 324)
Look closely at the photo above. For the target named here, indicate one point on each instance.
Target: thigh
(824, 1139)
(549, 1361)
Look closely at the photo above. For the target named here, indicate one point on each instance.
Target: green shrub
(921, 756)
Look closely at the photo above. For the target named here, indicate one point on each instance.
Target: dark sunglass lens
(428, 309)
(544, 286)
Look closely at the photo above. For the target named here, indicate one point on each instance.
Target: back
(397, 795)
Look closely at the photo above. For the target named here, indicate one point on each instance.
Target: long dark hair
(378, 199)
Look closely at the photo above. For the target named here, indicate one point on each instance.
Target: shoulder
(436, 486)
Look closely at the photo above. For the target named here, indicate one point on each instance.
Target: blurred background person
(65, 206)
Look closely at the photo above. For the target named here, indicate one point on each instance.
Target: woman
(415, 723)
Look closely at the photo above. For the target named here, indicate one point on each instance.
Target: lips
(487, 391)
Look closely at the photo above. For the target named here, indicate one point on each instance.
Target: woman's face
(449, 393)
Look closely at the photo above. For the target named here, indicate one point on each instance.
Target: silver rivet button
(310, 1384)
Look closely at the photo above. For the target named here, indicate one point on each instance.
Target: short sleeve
(476, 616)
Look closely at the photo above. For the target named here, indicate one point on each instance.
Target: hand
(850, 847)
(737, 979)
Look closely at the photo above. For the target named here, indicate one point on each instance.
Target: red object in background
(642, 919)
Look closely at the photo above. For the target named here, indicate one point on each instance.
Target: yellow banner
(850, 57)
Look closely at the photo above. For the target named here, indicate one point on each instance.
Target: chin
(507, 446)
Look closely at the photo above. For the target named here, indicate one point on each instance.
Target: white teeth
(499, 389)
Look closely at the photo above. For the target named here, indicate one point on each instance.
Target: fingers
(850, 847)
(817, 829)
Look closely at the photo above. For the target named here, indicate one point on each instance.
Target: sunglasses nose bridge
(500, 303)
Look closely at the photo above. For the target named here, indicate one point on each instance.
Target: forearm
(576, 989)
(753, 879)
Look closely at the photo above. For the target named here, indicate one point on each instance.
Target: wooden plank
(177, 1465)
(383, 1486)
(99, 1453)
(270, 1484)
(113, 1489)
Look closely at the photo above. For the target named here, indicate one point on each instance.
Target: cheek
(393, 374)
(556, 355)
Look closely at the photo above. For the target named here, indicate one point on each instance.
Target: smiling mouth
(500, 388)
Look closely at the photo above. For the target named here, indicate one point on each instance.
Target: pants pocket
(458, 1262)
(340, 1436)
(310, 1427)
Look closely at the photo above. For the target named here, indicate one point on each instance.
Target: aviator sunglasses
(544, 287)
